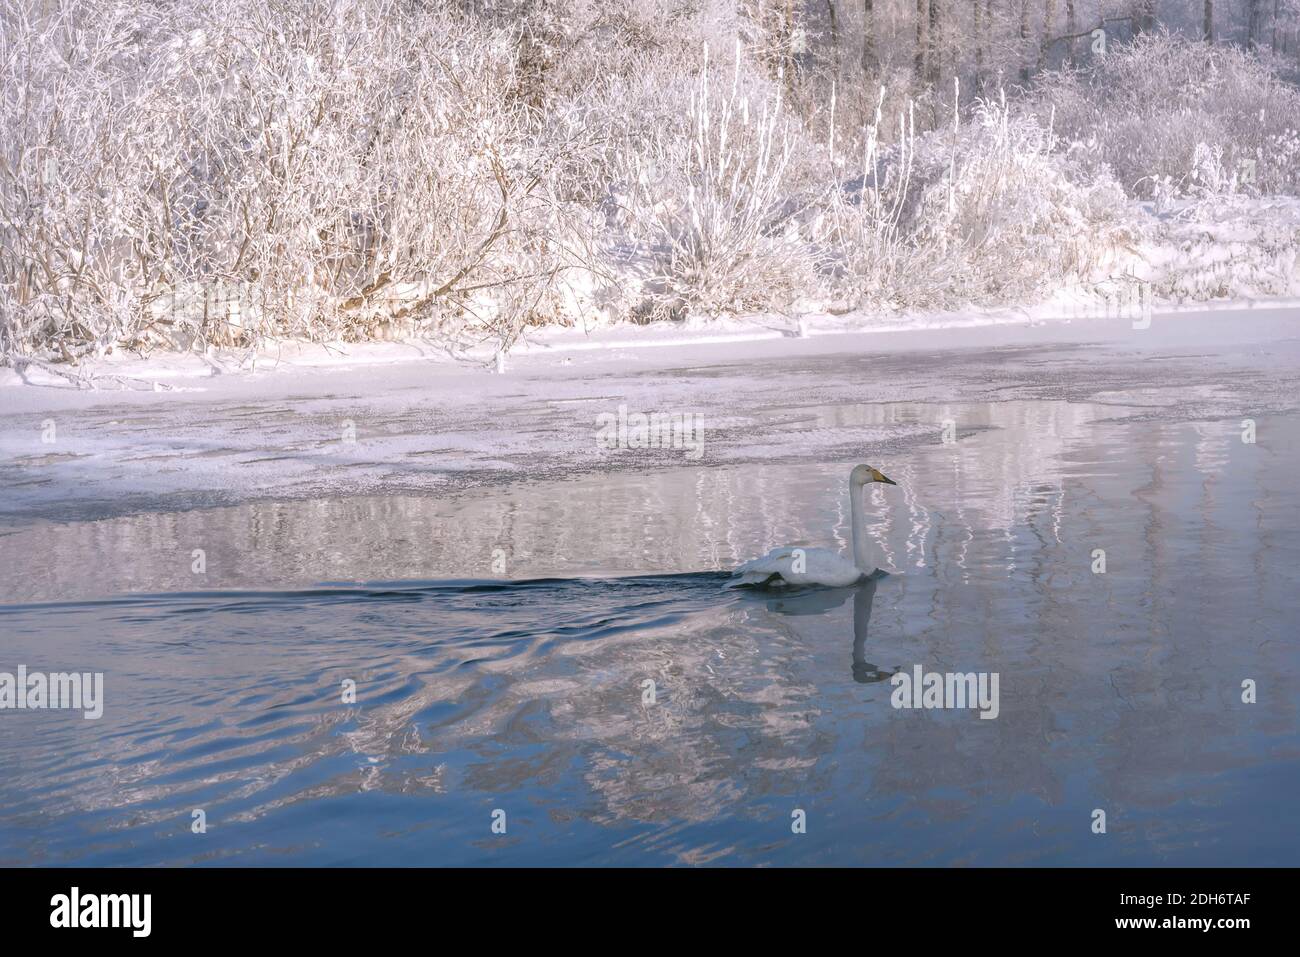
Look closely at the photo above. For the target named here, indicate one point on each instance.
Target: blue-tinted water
(527, 693)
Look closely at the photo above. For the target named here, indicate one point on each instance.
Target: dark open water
(522, 691)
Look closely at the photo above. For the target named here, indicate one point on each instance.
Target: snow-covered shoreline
(1061, 317)
(407, 419)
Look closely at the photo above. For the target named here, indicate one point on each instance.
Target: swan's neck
(864, 552)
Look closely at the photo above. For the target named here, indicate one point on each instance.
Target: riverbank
(181, 433)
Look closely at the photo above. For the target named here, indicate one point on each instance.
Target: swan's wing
(773, 561)
(758, 571)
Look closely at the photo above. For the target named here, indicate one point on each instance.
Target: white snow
(393, 418)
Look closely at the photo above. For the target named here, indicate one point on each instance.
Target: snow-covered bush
(985, 212)
(1004, 206)
(1173, 117)
(221, 170)
(224, 171)
(1230, 246)
(714, 218)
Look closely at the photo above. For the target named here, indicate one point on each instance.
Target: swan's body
(820, 566)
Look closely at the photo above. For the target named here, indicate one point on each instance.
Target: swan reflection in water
(818, 601)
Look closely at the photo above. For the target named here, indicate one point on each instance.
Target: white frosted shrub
(1005, 209)
(714, 218)
(220, 171)
(1173, 116)
(985, 212)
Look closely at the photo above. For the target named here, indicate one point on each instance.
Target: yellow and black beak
(881, 477)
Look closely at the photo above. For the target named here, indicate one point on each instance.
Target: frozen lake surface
(524, 692)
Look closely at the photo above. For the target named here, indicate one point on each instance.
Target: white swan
(821, 566)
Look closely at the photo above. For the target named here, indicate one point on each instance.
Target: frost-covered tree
(209, 172)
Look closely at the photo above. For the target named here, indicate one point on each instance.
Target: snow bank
(225, 175)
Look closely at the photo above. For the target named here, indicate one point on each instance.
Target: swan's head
(865, 475)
